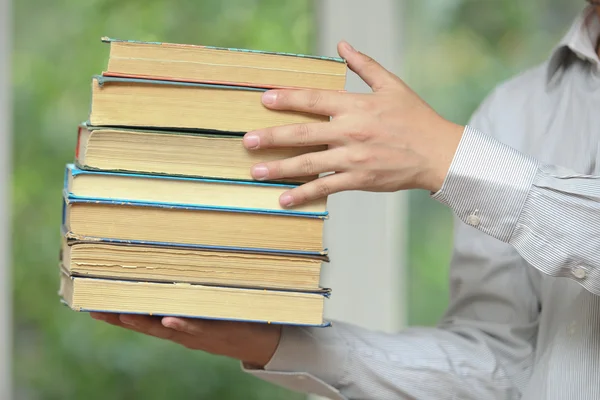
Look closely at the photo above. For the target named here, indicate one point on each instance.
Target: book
(124, 261)
(156, 223)
(175, 190)
(192, 301)
(193, 63)
(160, 213)
(147, 103)
(176, 153)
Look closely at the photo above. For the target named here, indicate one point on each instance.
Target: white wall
(5, 153)
(365, 232)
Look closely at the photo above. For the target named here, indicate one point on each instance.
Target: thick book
(194, 63)
(178, 264)
(129, 102)
(200, 225)
(192, 301)
(209, 155)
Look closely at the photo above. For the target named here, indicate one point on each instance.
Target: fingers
(141, 323)
(296, 135)
(110, 318)
(249, 342)
(368, 69)
(170, 328)
(161, 328)
(195, 327)
(321, 102)
(114, 319)
(151, 326)
(304, 165)
(317, 189)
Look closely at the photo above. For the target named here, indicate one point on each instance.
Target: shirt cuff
(309, 360)
(488, 184)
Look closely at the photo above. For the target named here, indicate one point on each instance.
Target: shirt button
(473, 220)
(579, 273)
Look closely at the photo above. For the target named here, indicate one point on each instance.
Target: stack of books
(161, 215)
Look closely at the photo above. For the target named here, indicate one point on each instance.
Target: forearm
(417, 363)
(548, 214)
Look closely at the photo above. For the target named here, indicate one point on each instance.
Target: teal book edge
(72, 170)
(106, 39)
(66, 200)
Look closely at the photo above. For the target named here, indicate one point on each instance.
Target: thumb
(367, 68)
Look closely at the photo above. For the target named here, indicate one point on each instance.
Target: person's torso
(559, 125)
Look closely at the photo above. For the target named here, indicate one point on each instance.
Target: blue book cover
(72, 172)
(68, 201)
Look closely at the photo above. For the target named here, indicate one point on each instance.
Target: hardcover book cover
(68, 200)
(330, 73)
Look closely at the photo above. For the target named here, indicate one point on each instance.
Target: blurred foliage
(456, 52)
(60, 354)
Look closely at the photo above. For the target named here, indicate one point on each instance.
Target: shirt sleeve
(549, 214)
(349, 362)
(482, 348)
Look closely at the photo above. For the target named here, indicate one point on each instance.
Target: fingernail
(348, 47)
(251, 141)
(260, 172)
(269, 97)
(170, 324)
(127, 319)
(286, 200)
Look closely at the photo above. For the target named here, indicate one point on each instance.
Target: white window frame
(366, 231)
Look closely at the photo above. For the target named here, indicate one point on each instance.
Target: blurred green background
(455, 52)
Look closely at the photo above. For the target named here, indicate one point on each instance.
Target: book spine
(64, 215)
(78, 143)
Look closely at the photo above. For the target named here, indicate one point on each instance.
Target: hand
(252, 343)
(383, 141)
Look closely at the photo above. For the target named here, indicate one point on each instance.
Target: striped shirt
(524, 316)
